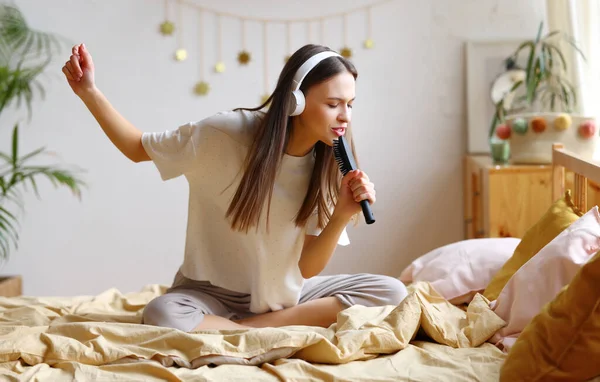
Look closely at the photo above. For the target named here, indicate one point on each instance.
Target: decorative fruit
(503, 131)
(519, 126)
(538, 124)
(587, 129)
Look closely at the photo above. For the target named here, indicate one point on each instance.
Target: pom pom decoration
(167, 28)
(562, 122)
(587, 129)
(519, 126)
(180, 54)
(220, 67)
(244, 57)
(538, 124)
(202, 88)
(503, 131)
(346, 52)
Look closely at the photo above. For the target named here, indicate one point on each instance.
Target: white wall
(129, 228)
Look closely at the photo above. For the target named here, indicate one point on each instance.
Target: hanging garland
(244, 56)
(202, 87)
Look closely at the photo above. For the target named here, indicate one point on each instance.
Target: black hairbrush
(343, 156)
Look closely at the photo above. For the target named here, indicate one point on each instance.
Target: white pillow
(460, 270)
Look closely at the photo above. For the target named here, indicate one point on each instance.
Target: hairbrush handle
(366, 208)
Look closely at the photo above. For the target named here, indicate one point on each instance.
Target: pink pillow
(540, 279)
(459, 270)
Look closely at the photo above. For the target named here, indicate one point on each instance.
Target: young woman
(267, 204)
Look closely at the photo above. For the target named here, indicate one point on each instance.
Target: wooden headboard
(583, 170)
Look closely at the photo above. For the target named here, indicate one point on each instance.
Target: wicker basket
(11, 286)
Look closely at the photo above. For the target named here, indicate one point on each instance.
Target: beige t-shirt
(210, 154)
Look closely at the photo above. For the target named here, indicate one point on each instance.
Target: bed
(99, 338)
(565, 163)
(425, 338)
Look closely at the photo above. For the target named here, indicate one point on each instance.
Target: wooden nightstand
(506, 200)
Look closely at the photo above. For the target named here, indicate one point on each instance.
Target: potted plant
(24, 55)
(538, 110)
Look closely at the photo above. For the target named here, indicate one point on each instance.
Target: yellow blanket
(425, 338)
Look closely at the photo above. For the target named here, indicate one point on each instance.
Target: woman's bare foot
(217, 322)
(321, 312)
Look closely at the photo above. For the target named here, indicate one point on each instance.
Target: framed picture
(485, 62)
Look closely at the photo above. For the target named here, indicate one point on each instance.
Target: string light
(244, 56)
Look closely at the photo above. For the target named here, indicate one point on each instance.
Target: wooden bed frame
(583, 170)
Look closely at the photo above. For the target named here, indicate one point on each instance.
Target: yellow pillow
(558, 217)
(563, 341)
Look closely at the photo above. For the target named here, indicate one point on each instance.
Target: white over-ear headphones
(297, 98)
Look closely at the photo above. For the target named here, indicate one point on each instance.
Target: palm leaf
(542, 62)
(539, 34)
(7, 222)
(530, 65)
(24, 54)
(15, 196)
(493, 125)
(56, 176)
(8, 232)
(6, 157)
(20, 41)
(516, 86)
(523, 46)
(567, 88)
(34, 185)
(533, 64)
(65, 178)
(550, 59)
(571, 41)
(15, 146)
(555, 48)
(20, 86)
(4, 246)
(32, 154)
(532, 85)
(551, 34)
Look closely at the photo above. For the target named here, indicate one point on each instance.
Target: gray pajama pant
(184, 305)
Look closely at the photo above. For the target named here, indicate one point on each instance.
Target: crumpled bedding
(425, 338)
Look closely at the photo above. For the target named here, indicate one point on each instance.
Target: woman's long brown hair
(269, 144)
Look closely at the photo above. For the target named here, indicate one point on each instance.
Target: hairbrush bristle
(341, 157)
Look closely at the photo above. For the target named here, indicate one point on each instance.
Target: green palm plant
(545, 70)
(545, 81)
(24, 54)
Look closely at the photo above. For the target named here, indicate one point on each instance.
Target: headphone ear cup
(297, 100)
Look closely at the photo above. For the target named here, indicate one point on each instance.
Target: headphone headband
(297, 101)
(308, 65)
